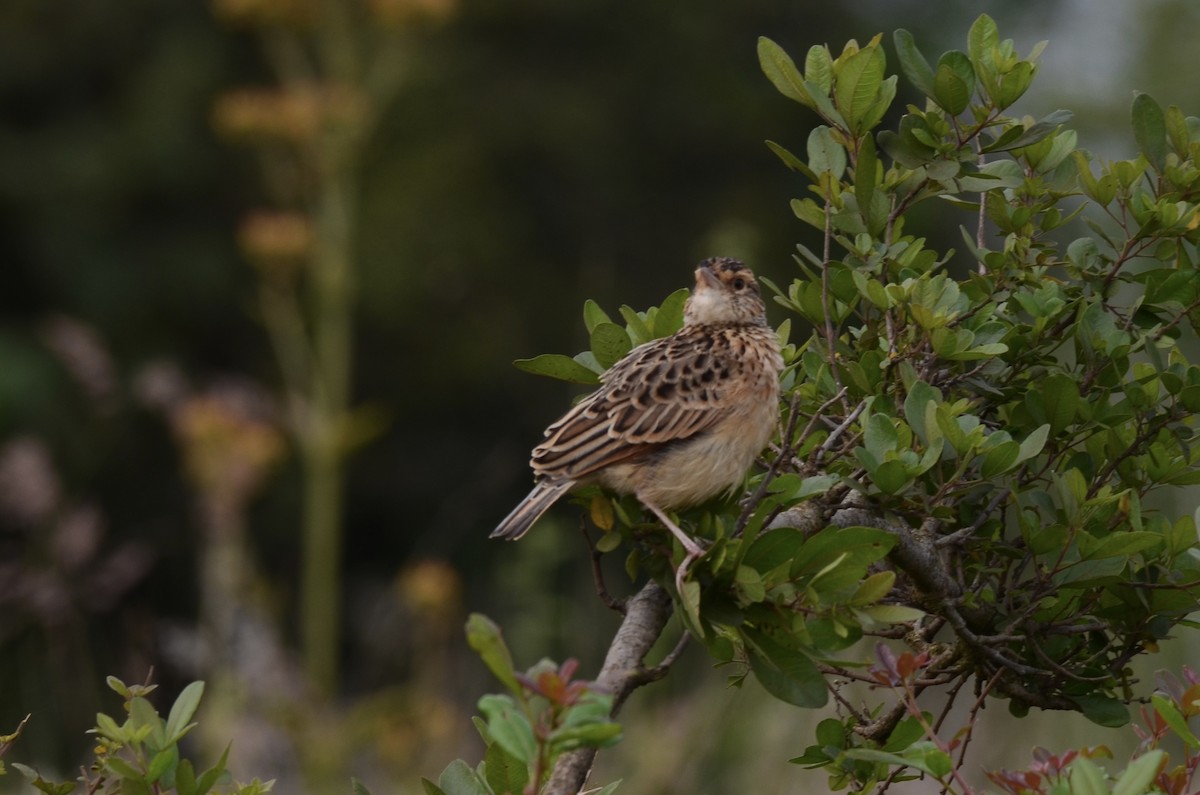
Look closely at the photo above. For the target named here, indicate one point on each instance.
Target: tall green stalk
(332, 300)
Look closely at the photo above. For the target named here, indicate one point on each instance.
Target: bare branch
(610, 601)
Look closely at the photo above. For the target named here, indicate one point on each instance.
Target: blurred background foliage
(523, 156)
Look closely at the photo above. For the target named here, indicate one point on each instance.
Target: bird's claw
(693, 553)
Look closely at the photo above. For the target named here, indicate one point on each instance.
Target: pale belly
(692, 471)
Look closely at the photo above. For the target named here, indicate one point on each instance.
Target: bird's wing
(664, 391)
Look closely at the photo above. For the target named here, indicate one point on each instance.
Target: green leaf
(610, 343)
(920, 395)
(1141, 772)
(809, 212)
(883, 102)
(907, 732)
(1103, 711)
(785, 673)
(555, 365)
(118, 687)
(922, 755)
(916, 69)
(608, 542)
(1174, 718)
(601, 734)
(122, 768)
(825, 155)
(636, 325)
(781, 70)
(1033, 444)
(1177, 131)
(459, 779)
(1087, 778)
(509, 727)
(1150, 129)
(182, 711)
(1000, 459)
(163, 761)
(774, 548)
(880, 436)
(858, 547)
(1014, 84)
(144, 717)
(593, 315)
(1123, 545)
(359, 788)
(891, 476)
(790, 160)
(953, 82)
(1060, 397)
(813, 485)
(431, 788)
(209, 777)
(874, 588)
(504, 772)
(818, 69)
(856, 84)
(483, 635)
(865, 179)
(185, 778)
(669, 318)
(1016, 137)
(750, 584)
(880, 757)
(927, 756)
(107, 727)
(982, 39)
(135, 786)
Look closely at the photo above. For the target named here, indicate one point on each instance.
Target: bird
(677, 420)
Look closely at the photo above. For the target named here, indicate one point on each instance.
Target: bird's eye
(739, 284)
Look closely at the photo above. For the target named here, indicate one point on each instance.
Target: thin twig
(659, 671)
(967, 532)
(827, 300)
(972, 716)
(838, 431)
(611, 602)
(982, 209)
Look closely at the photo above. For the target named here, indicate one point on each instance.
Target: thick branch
(624, 671)
(916, 553)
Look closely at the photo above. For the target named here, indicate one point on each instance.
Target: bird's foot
(681, 571)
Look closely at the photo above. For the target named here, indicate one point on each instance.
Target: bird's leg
(694, 550)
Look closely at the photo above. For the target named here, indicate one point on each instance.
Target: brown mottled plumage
(679, 419)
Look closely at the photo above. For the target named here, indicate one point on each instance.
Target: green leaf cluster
(609, 341)
(141, 754)
(544, 714)
(1015, 406)
(972, 441)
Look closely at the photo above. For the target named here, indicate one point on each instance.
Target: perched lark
(679, 419)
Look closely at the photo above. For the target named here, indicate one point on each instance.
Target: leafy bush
(141, 753)
(543, 715)
(972, 442)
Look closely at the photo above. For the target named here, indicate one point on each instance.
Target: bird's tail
(517, 523)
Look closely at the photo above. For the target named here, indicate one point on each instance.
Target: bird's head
(726, 292)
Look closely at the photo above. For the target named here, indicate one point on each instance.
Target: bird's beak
(706, 278)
